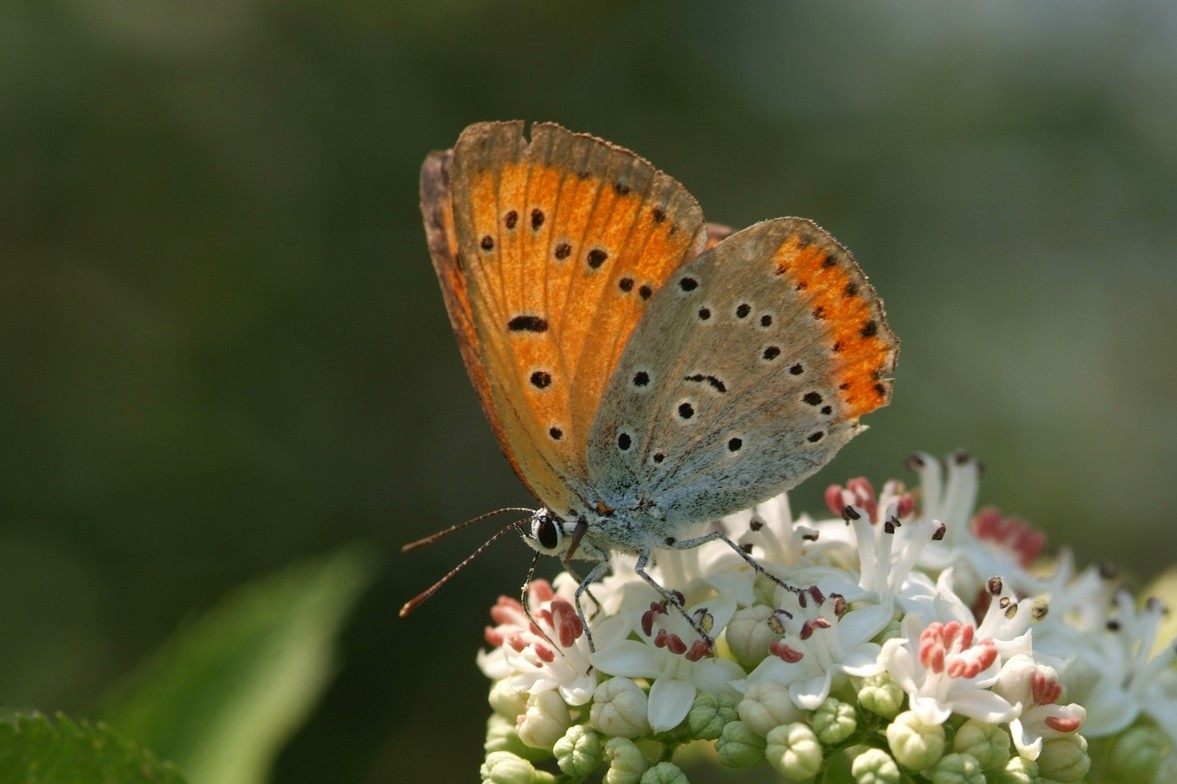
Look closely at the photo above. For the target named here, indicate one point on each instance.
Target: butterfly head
(548, 533)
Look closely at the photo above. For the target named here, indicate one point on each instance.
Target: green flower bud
(834, 721)
(709, 712)
(619, 709)
(739, 747)
(1018, 770)
(579, 752)
(1064, 759)
(989, 744)
(501, 735)
(501, 767)
(506, 701)
(958, 769)
(764, 591)
(1138, 754)
(664, 773)
(626, 762)
(794, 751)
(881, 695)
(890, 631)
(545, 720)
(915, 745)
(874, 766)
(748, 634)
(766, 705)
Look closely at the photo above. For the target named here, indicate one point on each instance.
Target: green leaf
(225, 693)
(36, 750)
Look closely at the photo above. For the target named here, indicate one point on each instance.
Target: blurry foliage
(223, 348)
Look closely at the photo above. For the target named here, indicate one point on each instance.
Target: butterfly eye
(545, 531)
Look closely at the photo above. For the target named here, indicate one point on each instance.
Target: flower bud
(1064, 759)
(626, 762)
(989, 744)
(501, 767)
(1138, 754)
(764, 590)
(881, 695)
(579, 752)
(915, 745)
(834, 721)
(501, 735)
(1018, 770)
(874, 766)
(794, 751)
(748, 634)
(664, 773)
(709, 712)
(506, 701)
(957, 769)
(766, 704)
(545, 720)
(619, 709)
(739, 747)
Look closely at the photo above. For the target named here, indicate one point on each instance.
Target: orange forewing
(551, 251)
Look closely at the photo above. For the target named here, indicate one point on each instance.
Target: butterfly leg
(687, 544)
(588, 591)
(596, 573)
(675, 599)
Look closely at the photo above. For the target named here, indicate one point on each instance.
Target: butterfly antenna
(447, 531)
(417, 600)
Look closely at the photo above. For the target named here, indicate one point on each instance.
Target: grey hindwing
(724, 395)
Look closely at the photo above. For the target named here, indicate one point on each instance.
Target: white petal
(860, 626)
(929, 710)
(811, 693)
(716, 675)
(863, 660)
(982, 705)
(630, 658)
(670, 700)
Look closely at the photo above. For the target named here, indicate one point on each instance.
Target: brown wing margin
(437, 211)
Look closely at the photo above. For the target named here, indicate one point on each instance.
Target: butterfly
(643, 370)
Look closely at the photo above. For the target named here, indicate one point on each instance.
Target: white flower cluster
(922, 642)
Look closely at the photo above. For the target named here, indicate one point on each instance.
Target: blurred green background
(222, 346)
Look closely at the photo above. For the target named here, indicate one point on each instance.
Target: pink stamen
(539, 592)
(948, 648)
(507, 611)
(812, 625)
(783, 651)
(1059, 724)
(648, 623)
(660, 639)
(518, 641)
(1010, 532)
(544, 653)
(566, 622)
(675, 645)
(1044, 689)
(699, 649)
(834, 500)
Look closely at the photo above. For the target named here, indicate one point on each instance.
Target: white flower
(551, 654)
(1034, 688)
(1117, 676)
(823, 642)
(945, 669)
(674, 659)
